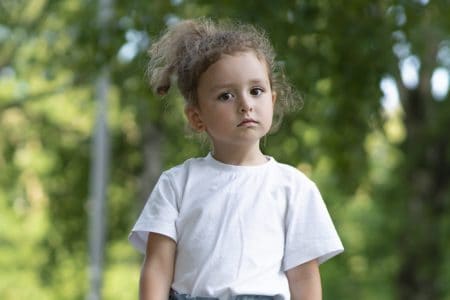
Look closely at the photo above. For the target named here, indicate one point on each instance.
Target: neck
(240, 156)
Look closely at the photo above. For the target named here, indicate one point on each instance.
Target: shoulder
(185, 168)
(172, 181)
(290, 174)
(296, 185)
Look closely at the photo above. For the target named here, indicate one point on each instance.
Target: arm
(304, 281)
(157, 270)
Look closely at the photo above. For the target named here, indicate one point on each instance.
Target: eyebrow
(228, 85)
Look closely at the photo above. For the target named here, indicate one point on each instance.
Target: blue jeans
(176, 296)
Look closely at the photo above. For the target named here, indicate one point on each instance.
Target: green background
(384, 174)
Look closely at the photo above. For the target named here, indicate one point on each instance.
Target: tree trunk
(152, 148)
(426, 171)
(97, 211)
(100, 165)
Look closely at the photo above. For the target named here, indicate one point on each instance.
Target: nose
(245, 104)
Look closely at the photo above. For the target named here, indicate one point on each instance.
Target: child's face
(235, 101)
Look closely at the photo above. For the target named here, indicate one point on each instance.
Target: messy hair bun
(189, 47)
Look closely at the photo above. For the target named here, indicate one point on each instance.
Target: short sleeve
(159, 214)
(310, 232)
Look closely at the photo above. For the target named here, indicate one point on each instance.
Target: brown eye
(225, 96)
(256, 91)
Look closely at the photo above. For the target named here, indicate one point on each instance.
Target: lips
(247, 122)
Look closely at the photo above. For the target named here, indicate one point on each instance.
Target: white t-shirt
(237, 228)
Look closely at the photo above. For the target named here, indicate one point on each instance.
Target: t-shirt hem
(139, 235)
(321, 256)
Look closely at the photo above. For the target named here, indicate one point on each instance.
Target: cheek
(269, 108)
(269, 115)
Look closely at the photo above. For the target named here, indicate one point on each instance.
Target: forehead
(233, 68)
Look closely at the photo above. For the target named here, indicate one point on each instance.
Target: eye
(256, 91)
(225, 96)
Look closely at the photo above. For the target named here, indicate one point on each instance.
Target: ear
(274, 97)
(193, 115)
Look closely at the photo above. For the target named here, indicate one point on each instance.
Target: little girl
(235, 224)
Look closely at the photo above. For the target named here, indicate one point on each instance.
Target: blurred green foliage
(384, 174)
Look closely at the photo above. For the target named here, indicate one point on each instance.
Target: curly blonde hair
(187, 49)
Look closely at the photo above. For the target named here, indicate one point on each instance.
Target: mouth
(247, 122)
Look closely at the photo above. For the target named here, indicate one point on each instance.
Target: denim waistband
(177, 296)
